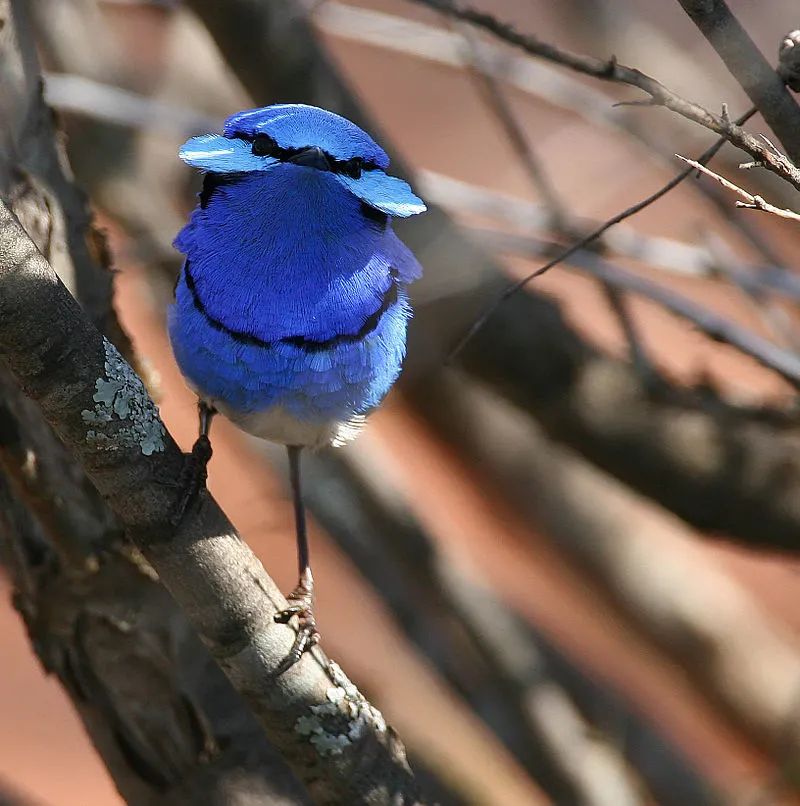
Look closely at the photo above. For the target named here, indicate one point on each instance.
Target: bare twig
(611, 70)
(712, 324)
(560, 220)
(660, 253)
(763, 85)
(750, 202)
(586, 240)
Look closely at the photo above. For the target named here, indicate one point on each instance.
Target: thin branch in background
(495, 98)
(560, 219)
(750, 202)
(640, 360)
(660, 253)
(586, 240)
(87, 96)
(612, 70)
(712, 324)
(758, 297)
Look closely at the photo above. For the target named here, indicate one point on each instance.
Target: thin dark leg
(301, 599)
(303, 562)
(195, 470)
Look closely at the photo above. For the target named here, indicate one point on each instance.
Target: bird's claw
(301, 604)
(192, 479)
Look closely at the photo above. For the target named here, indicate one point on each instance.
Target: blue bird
(290, 310)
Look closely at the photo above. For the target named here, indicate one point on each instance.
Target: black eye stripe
(374, 215)
(265, 146)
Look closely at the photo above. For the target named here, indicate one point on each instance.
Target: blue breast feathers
(345, 378)
(296, 255)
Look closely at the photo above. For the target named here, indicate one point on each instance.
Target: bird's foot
(192, 478)
(301, 604)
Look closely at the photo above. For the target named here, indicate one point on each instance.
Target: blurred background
(563, 565)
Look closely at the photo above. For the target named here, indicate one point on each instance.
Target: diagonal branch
(611, 70)
(332, 738)
(750, 202)
(712, 324)
(747, 64)
(588, 239)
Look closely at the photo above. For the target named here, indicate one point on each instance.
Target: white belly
(278, 425)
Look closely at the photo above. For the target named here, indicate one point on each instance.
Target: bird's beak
(312, 157)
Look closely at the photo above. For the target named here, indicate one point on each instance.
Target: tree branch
(707, 321)
(750, 202)
(646, 559)
(583, 242)
(611, 70)
(331, 737)
(763, 85)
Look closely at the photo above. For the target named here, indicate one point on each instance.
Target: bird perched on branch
(290, 311)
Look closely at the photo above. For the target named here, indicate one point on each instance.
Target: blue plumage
(299, 126)
(292, 296)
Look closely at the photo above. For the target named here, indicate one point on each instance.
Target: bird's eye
(263, 145)
(353, 167)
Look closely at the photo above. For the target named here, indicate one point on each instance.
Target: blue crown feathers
(261, 139)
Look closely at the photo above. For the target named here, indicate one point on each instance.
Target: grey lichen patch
(121, 396)
(342, 720)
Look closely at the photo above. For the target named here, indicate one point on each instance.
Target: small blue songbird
(290, 311)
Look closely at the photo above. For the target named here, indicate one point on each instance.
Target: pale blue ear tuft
(213, 152)
(386, 193)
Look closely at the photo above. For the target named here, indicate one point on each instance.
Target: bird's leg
(195, 470)
(301, 599)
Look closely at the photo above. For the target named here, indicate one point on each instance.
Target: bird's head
(306, 136)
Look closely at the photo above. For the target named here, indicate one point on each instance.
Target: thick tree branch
(747, 64)
(332, 738)
(645, 558)
(611, 70)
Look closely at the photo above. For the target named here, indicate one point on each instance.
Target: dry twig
(612, 70)
(763, 85)
(750, 202)
(585, 241)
